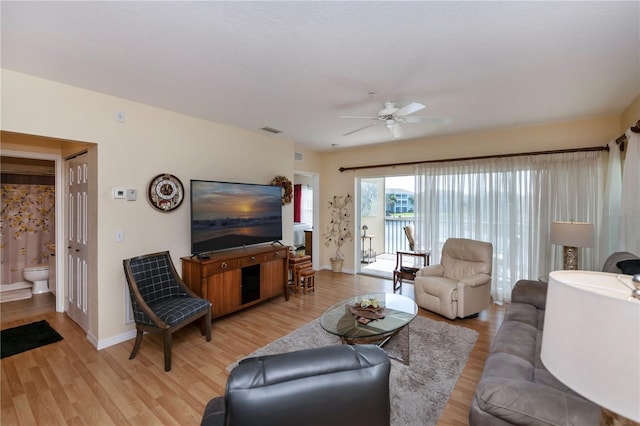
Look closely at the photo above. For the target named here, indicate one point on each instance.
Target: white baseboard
(105, 343)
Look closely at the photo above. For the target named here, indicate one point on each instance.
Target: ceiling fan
(392, 117)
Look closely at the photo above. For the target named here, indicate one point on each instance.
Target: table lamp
(591, 340)
(571, 235)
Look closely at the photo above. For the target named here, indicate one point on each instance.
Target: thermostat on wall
(119, 193)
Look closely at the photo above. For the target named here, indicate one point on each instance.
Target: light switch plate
(131, 194)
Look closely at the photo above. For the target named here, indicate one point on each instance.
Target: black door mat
(26, 337)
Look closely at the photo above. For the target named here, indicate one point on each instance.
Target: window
(306, 205)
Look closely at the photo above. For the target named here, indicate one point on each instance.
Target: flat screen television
(228, 215)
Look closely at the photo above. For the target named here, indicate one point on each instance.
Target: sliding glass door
(386, 206)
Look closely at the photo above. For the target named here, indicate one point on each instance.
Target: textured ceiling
(300, 66)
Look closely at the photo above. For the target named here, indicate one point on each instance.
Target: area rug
(438, 352)
(26, 337)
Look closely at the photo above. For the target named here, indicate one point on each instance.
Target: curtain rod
(484, 157)
(623, 138)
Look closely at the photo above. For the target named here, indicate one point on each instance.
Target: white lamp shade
(591, 339)
(572, 234)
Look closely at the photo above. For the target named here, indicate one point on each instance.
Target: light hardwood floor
(70, 382)
(18, 309)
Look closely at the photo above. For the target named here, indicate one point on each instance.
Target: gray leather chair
(460, 285)
(339, 385)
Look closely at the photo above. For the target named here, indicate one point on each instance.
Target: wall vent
(271, 130)
(298, 156)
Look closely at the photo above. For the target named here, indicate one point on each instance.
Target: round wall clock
(166, 192)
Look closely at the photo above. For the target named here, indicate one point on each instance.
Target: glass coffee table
(341, 320)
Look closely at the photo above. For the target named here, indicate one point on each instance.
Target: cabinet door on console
(224, 291)
(273, 278)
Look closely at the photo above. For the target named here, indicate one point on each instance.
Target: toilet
(39, 276)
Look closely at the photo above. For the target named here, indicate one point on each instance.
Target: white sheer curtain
(510, 202)
(611, 217)
(630, 197)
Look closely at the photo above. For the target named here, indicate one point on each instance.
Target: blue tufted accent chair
(161, 302)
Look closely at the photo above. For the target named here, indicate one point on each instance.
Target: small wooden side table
(293, 271)
(308, 239)
(407, 271)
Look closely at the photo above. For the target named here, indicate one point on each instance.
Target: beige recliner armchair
(460, 285)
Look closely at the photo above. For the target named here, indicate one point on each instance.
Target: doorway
(44, 148)
(306, 228)
(32, 218)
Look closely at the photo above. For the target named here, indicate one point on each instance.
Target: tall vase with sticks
(339, 230)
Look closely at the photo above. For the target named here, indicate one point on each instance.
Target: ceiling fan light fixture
(392, 118)
(388, 110)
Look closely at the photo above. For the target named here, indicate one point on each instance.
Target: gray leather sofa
(339, 385)
(515, 387)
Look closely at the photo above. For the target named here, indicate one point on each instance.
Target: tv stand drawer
(251, 260)
(220, 266)
(283, 253)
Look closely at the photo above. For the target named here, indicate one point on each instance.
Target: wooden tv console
(238, 278)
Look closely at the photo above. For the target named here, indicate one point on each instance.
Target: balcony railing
(394, 236)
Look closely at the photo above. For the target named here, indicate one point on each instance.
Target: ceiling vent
(298, 156)
(271, 130)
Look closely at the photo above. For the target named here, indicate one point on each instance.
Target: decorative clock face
(166, 192)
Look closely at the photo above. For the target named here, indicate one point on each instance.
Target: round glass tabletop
(342, 321)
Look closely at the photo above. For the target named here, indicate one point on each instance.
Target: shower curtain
(28, 223)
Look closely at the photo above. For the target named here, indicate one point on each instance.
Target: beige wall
(312, 161)
(149, 142)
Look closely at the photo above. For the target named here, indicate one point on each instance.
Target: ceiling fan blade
(360, 116)
(409, 109)
(357, 130)
(427, 119)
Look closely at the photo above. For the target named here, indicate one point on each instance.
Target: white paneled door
(77, 240)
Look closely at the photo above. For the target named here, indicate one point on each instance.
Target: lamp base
(571, 258)
(609, 418)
